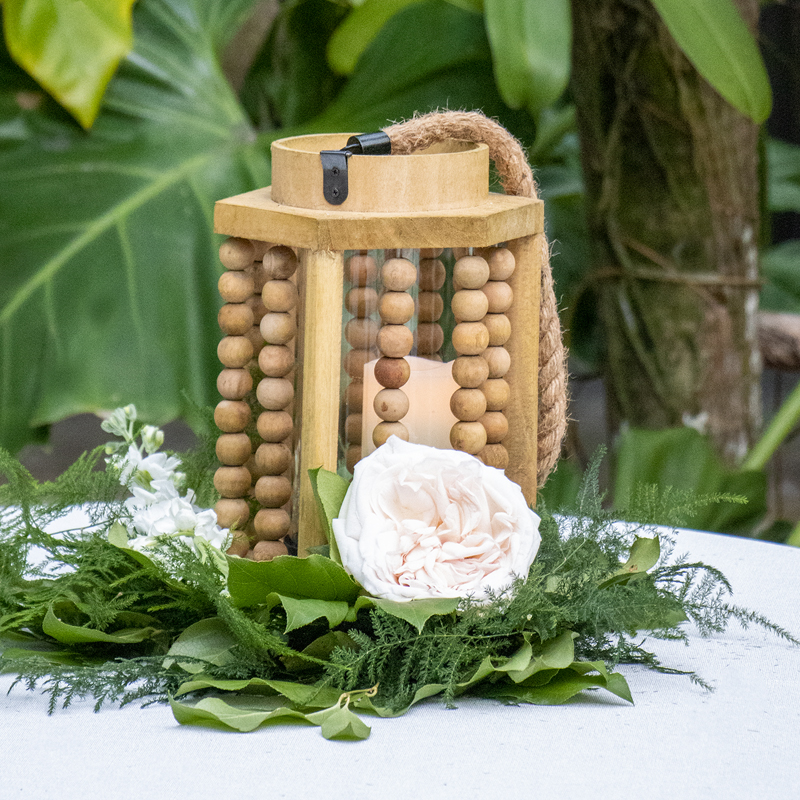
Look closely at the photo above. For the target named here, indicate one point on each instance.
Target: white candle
(429, 389)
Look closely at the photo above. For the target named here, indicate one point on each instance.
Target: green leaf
(340, 723)
(109, 264)
(300, 694)
(315, 577)
(304, 611)
(783, 175)
(562, 687)
(417, 612)
(644, 554)
(209, 640)
(531, 45)
(71, 48)
(781, 269)
(359, 28)
(717, 41)
(243, 713)
(118, 536)
(329, 491)
(74, 634)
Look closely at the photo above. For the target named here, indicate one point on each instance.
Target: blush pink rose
(418, 522)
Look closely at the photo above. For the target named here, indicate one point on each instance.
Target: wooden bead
(398, 274)
(274, 394)
(499, 327)
(501, 264)
(496, 426)
(471, 272)
(499, 361)
(235, 287)
(361, 301)
(256, 305)
(497, 392)
(500, 296)
(232, 481)
(494, 455)
(396, 308)
(470, 437)
(469, 305)
(360, 269)
(235, 351)
(234, 384)
(395, 341)
(470, 371)
(431, 252)
(352, 428)
(233, 449)
(383, 430)
(232, 513)
(237, 253)
(354, 361)
(470, 338)
(352, 457)
(271, 524)
(468, 405)
(391, 405)
(361, 334)
(255, 338)
(392, 373)
(430, 337)
(275, 360)
(240, 544)
(274, 426)
(232, 416)
(273, 458)
(432, 275)
(354, 397)
(273, 491)
(235, 319)
(278, 328)
(280, 262)
(279, 295)
(266, 551)
(431, 306)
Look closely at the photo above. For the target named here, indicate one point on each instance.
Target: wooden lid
(448, 175)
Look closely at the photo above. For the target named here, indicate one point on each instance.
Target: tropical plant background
(122, 122)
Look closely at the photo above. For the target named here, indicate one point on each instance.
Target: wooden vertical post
(522, 410)
(321, 279)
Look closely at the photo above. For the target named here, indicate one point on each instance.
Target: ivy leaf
(717, 41)
(329, 491)
(208, 639)
(417, 612)
(71, 48)
(304, 611)
(644, 555)
(109, 264)
(243, 713)
(340, 723)
(74, 634)
(314, 577)
(531, 43)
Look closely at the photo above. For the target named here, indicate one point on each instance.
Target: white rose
(419, 522)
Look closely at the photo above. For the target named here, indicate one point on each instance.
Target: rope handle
(516, 176)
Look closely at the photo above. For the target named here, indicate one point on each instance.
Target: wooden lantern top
(433, 198)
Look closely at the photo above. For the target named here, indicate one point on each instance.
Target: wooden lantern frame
(438, 198)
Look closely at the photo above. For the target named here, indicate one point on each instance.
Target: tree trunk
(672, 195)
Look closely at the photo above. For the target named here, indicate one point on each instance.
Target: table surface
(677, 741)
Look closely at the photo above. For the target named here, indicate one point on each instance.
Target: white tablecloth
(677, 741)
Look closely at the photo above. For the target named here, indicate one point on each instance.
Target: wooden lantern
(313, 291)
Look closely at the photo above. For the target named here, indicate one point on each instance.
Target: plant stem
(780, 427)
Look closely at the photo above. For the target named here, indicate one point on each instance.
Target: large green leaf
(783, 175)
(781, 269)
(71, 48)
(75, 634)
(109, 268)
(531, 43)
(716, 40)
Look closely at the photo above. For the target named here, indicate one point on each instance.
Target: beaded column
(470, 340)
(232, 415)
(361, 333)
(496, 389)
(395, 342)
(430, 335)
(275, 393)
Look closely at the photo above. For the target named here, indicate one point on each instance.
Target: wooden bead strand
(232, 415)
(470, 340)
(361, 333)
(495, 388)
(395, 341)
(430, 336)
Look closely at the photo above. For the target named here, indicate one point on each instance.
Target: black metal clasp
(334, 163)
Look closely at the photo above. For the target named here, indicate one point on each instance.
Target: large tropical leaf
(108, 262)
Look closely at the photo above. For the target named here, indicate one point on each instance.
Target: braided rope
(517, 179)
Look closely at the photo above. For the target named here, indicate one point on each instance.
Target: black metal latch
(334, 162)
